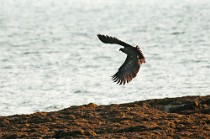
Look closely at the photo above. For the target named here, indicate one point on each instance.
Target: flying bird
(129, 69)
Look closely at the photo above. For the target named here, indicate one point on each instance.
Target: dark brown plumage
(131, 66)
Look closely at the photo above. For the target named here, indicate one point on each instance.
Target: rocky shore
(182, 117)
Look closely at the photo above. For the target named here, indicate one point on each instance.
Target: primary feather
(112, 40)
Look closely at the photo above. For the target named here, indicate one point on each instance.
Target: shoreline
(187, 117)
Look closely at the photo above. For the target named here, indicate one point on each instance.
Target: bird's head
(122, 49)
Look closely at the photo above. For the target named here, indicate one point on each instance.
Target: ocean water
(51, 58)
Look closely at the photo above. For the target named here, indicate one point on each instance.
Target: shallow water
(50, 57)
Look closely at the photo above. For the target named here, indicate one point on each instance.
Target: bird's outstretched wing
(127, 71)
(112, 40)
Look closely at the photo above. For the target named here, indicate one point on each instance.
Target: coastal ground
(182, 117)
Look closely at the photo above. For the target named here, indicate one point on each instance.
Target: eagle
(129, 69)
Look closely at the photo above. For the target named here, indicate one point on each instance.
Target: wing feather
(112, 40)
(127, 71)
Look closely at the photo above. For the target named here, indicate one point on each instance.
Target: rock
(182, 117)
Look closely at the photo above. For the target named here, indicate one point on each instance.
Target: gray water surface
(50, 57)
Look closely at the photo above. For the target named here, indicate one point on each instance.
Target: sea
(51, 58)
